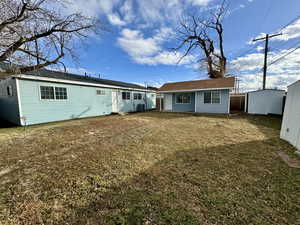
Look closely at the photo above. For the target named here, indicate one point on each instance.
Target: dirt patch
(293, 163)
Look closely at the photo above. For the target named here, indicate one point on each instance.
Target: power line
(280, 58)
(266, 39)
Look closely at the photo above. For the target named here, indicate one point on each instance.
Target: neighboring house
(46, 96)
(290, 129)
(264, 102)
(200, 96)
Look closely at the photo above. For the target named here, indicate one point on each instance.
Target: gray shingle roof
(74, 77)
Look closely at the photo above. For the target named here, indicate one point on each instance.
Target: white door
(114, 96)
(168, 102)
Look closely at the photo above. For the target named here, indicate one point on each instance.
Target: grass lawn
(150, 168)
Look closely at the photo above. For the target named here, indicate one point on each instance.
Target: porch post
(195, 101)
(160, 99)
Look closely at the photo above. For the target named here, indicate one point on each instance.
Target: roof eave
(193, 90)
(47, 79)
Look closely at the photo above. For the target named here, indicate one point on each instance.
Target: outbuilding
(46, 96)
(264, 102)
(290, 129)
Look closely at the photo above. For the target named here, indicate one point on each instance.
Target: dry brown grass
(150, 168)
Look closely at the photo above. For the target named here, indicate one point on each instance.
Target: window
(207, 97)
(100, 92)
(183, 99)
(215, 97)
(212, 97)
(9, 90)
(47, 92)
(126, 95)
(51, 93)
(61, 93)
(137, 96)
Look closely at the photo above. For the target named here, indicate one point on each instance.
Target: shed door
(114, 95)
(168, 102)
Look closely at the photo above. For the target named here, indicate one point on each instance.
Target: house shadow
(231, 184)
(6, 124)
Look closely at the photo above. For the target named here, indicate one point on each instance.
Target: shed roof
(219, 83)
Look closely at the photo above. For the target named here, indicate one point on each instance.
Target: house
(200, 96)
(290, 129)
(264, 102)
(45, 96)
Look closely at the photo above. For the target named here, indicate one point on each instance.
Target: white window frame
(211, 97)
(139, 96)
(100, 92)
(178, 103)
(53, 100)
(126, 95)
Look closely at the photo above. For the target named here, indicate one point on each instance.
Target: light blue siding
(198, 103)
(183, 107)
(223, 107)
(9, 109)
(82, 102)
(130, 105)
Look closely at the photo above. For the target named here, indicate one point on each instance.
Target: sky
(138, 46)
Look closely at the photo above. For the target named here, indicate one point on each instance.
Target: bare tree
(37, 33)
(206, 35)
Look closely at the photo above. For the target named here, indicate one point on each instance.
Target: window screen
(100, 92)
(183, 99)
(212, 97)
(47, 92)
(216, 98)
(61, 93)
(137, 96)
(207, 97)
(126, 95)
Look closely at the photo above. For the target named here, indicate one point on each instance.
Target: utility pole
(266, 39)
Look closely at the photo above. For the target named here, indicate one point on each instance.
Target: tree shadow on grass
(176, 115)
(233, 184)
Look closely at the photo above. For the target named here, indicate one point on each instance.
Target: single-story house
(290, 129)
(264, 102)
(200, 96)
(45, 96)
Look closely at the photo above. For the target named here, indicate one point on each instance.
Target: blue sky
(137, 49)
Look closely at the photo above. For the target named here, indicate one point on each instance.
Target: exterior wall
(131, 105)
(290, 130)
(9, 108)
(168, 101)
(222, 108)
(265, 102)
(183, 107)
(82, 102)
(151, 100)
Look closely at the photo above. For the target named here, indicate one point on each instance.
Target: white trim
(193, 90)
(196, 101)
(19, 102)
(176, 103)
(29, 77)
(229, 103)
(55, 99)
(211, 98)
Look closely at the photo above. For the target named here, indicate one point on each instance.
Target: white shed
(290, 129)
(264, 102)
